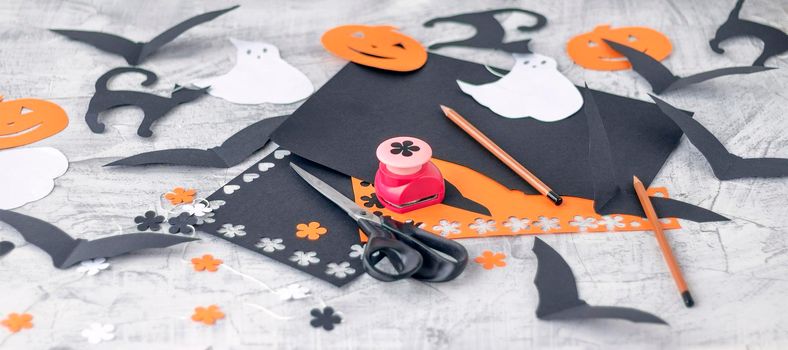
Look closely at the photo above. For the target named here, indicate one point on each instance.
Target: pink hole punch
(406, 179)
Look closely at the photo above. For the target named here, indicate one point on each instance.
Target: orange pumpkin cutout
(29, 120)
(590, 51)
(511, 212)
(375, 46)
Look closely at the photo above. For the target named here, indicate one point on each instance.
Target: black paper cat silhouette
(774, 40)
(489, 32)
(153, 106)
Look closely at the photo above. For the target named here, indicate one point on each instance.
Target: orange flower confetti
(311, 231)
(180, 195)
(206, 263)
(16, 322)
(207, 315)
(490, 260)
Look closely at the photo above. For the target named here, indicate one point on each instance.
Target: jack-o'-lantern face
(375, 46)
(590, 51)
(28, 120)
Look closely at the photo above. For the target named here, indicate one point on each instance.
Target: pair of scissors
(411, 251)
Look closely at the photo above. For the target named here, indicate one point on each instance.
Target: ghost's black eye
(258, 57)
(543, 62)
(399, 45)
(265, 50)
(526, 62)
(248, 52)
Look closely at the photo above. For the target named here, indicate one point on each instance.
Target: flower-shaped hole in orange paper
(207, 315)
(179, 195)
(311, 231)
(490, 260)
(206, 263)
(16, 322)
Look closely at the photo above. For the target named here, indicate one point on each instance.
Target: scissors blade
(350, 207)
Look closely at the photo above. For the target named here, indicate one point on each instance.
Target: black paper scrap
(232, 151)
(66, 251)
(153, 106)
(285, 219)
(726, 166)
(6, 247)
(369, 106)
(136, 52)
(775, 41)
(558, 296)
(610, 191)
(489, 32)
(662, 79)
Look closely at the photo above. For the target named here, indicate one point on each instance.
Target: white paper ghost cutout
(533, 88)
(260, 75)
(28, 174)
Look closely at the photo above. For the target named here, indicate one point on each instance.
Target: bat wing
(249, 140)
(170, 34)
(614, 312)
(701, 77)
(554, 282)
(603, 169)
(669, 207)
(178, 156)
(757, 167)
(42, 234)
(712, 149)
(106, 42)
(657, 75)
(558, 298)
(121, 244)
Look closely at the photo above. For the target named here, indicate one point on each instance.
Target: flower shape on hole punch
(406, 148)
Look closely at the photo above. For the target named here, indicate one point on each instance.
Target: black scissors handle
(412, 251)
(382, 243)
(443, 259)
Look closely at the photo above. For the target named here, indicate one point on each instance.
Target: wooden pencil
(667, 253)
(499, 153)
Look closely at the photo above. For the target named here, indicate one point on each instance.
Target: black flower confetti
(325, 318)
(183, 223)
(149, 221)
(372, 201)
(406, 148)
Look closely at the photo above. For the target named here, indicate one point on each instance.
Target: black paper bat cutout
(662, 79)
(775, 41)
(612, 191)
(726, 166)
(489, 32)
(66, 251)
(232, 151)
(6, 247)
(558, 297)
(153, 106)
(136, 52)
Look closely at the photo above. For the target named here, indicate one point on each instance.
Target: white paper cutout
(260, 75)
(27, 174)
(533, 88)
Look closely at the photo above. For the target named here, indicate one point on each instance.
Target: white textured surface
(738, 271)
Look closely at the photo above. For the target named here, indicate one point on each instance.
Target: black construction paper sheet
(611, 193)
(662, 80)
(6, 247)
(153, 106)
(558, 297)
(775, 41)
(136, 52)
(67, 251)
(368, 106)
(232, 151)
(271, 202)
(726, 166)
(489, 32)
